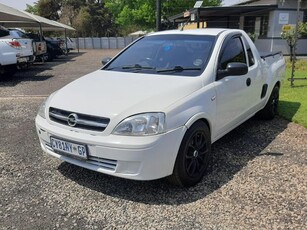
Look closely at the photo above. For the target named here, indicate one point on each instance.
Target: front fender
(200, 116)
(201, 105)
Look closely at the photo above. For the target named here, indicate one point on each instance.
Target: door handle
(248, 81)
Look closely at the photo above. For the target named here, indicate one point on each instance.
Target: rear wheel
(270, 109)
(49, 56)
(193, 156)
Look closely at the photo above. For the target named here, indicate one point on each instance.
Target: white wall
(274, 45)
(103, 42)
(278, 18)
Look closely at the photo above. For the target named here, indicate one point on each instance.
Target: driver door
(233, 98)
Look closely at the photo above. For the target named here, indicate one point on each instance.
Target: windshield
(180, 55)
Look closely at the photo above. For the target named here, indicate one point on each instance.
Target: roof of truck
(205, 31)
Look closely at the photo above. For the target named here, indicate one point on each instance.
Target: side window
(250, 56)
(233, 52)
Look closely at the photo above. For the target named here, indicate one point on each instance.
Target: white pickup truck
(26, 51)
(154, 110)
(10, 53)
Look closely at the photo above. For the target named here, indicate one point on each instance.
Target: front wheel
(270, 109)
(193, 156)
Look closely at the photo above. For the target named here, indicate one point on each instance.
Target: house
(262, 19)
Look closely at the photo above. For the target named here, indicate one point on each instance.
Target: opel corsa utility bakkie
(154, 110)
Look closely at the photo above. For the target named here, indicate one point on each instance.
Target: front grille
(102, 162)
(106, 164)
(78, 120)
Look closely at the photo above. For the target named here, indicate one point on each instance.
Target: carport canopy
(11, 17)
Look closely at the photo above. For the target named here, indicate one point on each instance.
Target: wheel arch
(277, 84)
(199, 117)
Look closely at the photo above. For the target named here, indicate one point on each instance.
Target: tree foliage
(108, 17)
(89, 17)
(291, 37)
(32, 9)
(141, 14)
(95, 20)
(49, 9)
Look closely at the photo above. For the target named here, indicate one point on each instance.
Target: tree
(32, 9)
(94, 20)
(292, 39)
(70, 10)
(49, 9)
(89, 17)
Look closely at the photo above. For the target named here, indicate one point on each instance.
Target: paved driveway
(258, 178)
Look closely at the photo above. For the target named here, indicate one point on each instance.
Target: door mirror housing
(232, 69)
(104, 61)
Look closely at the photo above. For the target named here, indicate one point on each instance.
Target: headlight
(145, 124)
(42, 109)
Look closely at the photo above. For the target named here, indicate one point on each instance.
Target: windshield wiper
(137, 67)
(178, 69)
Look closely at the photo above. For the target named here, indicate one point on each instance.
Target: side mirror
(105, 60)
(233, 69)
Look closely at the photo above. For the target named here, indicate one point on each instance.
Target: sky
(18, 4)
(21, 4)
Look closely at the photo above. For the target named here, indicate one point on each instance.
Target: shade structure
(10, 17)
(11, 14)
(138, 33)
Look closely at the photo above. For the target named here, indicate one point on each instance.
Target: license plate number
(68, 147)
(22, 60)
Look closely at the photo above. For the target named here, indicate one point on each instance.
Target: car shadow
(35, 71)
(288, 108)
(23, 77)
(230, 155)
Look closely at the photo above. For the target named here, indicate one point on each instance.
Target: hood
(113, 94)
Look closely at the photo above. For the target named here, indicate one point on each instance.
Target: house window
(264, 25)
(250, 22)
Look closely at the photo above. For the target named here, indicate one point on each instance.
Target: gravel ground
(258, 177)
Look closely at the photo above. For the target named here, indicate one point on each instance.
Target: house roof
(224, 11)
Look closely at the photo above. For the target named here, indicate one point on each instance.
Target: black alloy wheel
(193, 156)
(275, 100)
(270, 109)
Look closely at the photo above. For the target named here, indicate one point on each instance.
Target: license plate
(68, 148)
(22, 59)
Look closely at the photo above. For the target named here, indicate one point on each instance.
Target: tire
(270, 109)
(49, 56)
(193, 156)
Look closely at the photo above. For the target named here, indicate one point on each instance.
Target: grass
(293, 100)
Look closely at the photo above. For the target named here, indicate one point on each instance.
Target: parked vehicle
(155, 109)
(39, 45)
(67, 45)
(26, 54)
(53, 48)
(10, 53)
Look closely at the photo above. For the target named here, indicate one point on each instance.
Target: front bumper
(138, 158)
